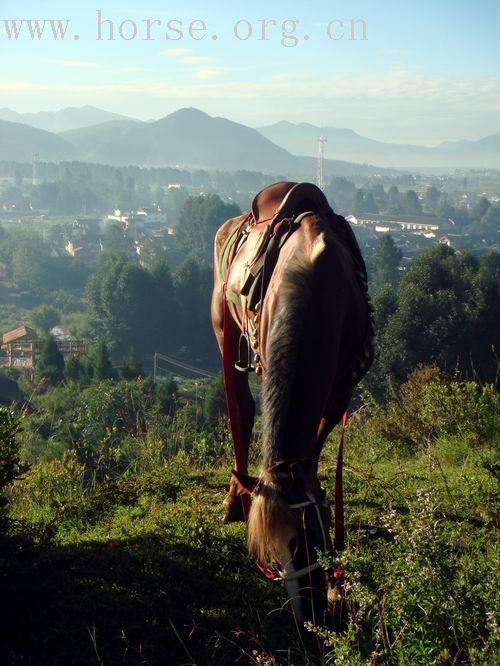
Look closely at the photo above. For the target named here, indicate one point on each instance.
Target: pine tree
(103, 368)
(386, 260)
(50, 364)
(73, 369)
(131, 368)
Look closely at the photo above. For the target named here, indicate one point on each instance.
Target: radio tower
(321, 160)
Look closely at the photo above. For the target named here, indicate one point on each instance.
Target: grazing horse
(290, 301)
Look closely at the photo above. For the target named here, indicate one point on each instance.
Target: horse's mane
(271, 521)
(282, 354)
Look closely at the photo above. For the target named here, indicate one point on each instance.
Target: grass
(141, 570)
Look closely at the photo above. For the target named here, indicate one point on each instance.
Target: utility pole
(321, 161)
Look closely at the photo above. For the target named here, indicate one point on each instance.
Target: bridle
(287, 571)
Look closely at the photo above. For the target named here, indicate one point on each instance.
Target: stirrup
(239, 363)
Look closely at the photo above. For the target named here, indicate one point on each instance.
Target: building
(22, 347)
(419, 225)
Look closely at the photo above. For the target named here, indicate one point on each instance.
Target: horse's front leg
(233, 508)
(236, 383)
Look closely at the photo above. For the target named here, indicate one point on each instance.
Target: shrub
(425, 596)
(10, 464)
(432, 406)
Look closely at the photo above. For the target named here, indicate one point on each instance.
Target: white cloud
(208, 73)
(187, 57)
(203, 67)
(81, 64)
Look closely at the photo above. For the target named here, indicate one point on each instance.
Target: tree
(134, 307)
(215, 402)
(166, 390)
(431, 199)
(45, 317)
(193, 283)
(116, 241)
(411, 203)
(103, 368)
(386, 260)
(73, 368)
(480, 209)
(50, 363)
(198, 222)
(446, 312)
(488, 227)
(131, 368)
(31, 265)
(358, 204)
(342, 191)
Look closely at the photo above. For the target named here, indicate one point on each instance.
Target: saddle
(286, 199)
(275, 214)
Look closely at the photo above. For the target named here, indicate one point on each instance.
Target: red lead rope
(338, 507)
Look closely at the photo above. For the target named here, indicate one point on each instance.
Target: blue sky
(425, 73)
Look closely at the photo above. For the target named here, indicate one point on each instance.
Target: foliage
(431, 406)
(198, 221)
(10, 463)
(45, 317)
(215, 402)
(50, 363)
(166, 391)
(131, 368)
(193, 288)
(73, 368)
(133, 306)
(425, 595)
(445, 313)
(145, 540)
(386, 260)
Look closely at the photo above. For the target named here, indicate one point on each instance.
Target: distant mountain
(191, 139)
(63, 120)
(345, 144)
(98, 142)
(18, 143)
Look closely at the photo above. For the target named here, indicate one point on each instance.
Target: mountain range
(345, 144)
(188, 138)
(63, 120)
(191, 139)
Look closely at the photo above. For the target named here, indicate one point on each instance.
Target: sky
(408, 73)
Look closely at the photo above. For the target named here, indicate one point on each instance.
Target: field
(139, 569)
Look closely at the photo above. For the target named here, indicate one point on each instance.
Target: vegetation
(111, 485)
(121, 510)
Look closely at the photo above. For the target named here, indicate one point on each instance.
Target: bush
(10, 464)
(426, 595)
(48, 489)
(431, 406)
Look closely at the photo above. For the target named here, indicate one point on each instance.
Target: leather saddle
(286, 200)
(275, 214)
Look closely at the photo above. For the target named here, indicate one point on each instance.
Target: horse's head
(289, 522)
